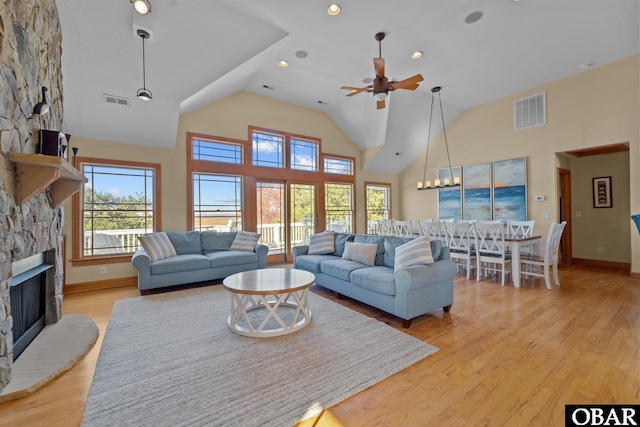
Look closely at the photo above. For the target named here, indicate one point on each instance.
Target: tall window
(118, 205)
(217, 202)
(268, 150)
(378, 204)
(339, 207)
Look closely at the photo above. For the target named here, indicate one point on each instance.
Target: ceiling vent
(530, 111)
(117, 100)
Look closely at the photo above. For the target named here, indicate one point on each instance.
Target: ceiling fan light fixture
(333, 9)
(142, 7)
(417, 54)
(380, 96)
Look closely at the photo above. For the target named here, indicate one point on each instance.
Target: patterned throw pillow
(364, 253)
(245, 241)
(417, 251)
(321, 243)
(157, 245)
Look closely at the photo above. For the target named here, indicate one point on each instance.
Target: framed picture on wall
(510, 189)
(602, 192)
(449, 199)
(476, 198)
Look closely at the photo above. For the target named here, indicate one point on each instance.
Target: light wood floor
(507, 357)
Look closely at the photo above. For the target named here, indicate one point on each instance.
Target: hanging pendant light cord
(426, 157)
(446, 143)
(144, 72)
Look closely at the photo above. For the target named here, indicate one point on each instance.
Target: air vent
(530, 111)
(117, 100)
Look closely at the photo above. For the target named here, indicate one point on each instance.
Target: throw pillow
(340, 240)
(321, 243)
(364, 253)
(245, 241)
(390, 245)
(417, 251)
(157, 245)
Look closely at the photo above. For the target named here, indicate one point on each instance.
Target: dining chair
(524, 229)
(541, 266)
(402, 228)
(385, 227)
(491, 250)
(431, 229)
(459, 239)
(442, 221)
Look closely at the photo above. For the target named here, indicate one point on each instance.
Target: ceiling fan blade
(410, 87)
(378, 64)
(406, 83)
(380, 104)
(355, 90)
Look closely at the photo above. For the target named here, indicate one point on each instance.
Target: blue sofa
(407, 293)
(201, 256)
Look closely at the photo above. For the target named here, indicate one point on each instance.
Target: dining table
(514, 243)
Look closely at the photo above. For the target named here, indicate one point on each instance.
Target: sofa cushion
(311, 263)
(390, 245)
(226, 258)
(321, 243)
(415, 252)
(376, 279)
(245, 241)
(185, 242)
(157, 245)
(178, 263)
(373, 238)
(364, 253)
(214, 241)
(339, 241)
(340, 268)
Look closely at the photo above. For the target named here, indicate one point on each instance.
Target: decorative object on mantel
(602, 192)
(452, 181)
(144, 93)
(75, 153)
(636, 219)
(141, 7)
(41, 108)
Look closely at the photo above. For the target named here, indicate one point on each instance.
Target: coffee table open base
(241, 304)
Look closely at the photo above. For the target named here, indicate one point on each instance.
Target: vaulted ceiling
(201, 51)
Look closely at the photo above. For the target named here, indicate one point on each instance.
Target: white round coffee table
(269, 290)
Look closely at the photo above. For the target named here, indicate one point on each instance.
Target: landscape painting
(449, 199)
(477, 191)
(510, 189)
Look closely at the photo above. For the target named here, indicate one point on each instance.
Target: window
(378, 204)
(339, 207)
(217, 202)
(304, 155)
(268, 150)
(118, 205)
(216, 151)
(338, 166)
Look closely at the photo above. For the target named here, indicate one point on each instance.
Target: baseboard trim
(635, 276)
(598, 263)
(101, 284)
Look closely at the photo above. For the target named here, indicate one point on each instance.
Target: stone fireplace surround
(30, 57)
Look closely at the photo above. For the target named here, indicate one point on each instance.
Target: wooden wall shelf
(36, 172)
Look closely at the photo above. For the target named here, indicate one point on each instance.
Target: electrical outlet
(103, 270)
(599, 249)
(545, 214)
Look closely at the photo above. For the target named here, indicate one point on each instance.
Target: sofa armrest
(445, 253)
(262, 251)
(418, 276)
(142, 262)
(297, 251)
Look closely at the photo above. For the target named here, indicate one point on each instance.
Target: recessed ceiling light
(301, 54)
(283, 63)
(417, 54)
(367, 81)
(142, 7)
(587, 66)
(333, 9)
(473, 17)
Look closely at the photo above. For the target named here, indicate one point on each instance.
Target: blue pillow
(185, 242)
(339, 242)
(390, 245)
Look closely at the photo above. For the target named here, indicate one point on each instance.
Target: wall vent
(530, 111)
(117, 100)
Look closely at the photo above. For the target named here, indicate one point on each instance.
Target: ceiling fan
(381, 86)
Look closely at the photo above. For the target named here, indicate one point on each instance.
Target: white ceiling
(204, 50)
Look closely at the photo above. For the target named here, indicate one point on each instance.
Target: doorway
(564, 205)
(286, 216)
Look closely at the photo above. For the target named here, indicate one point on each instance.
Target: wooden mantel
(36, 172)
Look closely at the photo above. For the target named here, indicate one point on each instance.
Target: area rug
(171, 360)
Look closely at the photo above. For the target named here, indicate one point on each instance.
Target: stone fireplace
(30, 52)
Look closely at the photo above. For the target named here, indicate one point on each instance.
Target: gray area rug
(171, 360)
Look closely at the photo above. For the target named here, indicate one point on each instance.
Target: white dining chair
(541, 266)
(385, 227)
(491, 254)
(524, 229)
(402, 228)
(459, 239)
(431, 229)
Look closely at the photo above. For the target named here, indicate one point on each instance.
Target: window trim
(78, 258)
(366, 204)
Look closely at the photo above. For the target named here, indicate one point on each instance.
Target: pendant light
(452, 181)
(144, 93)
